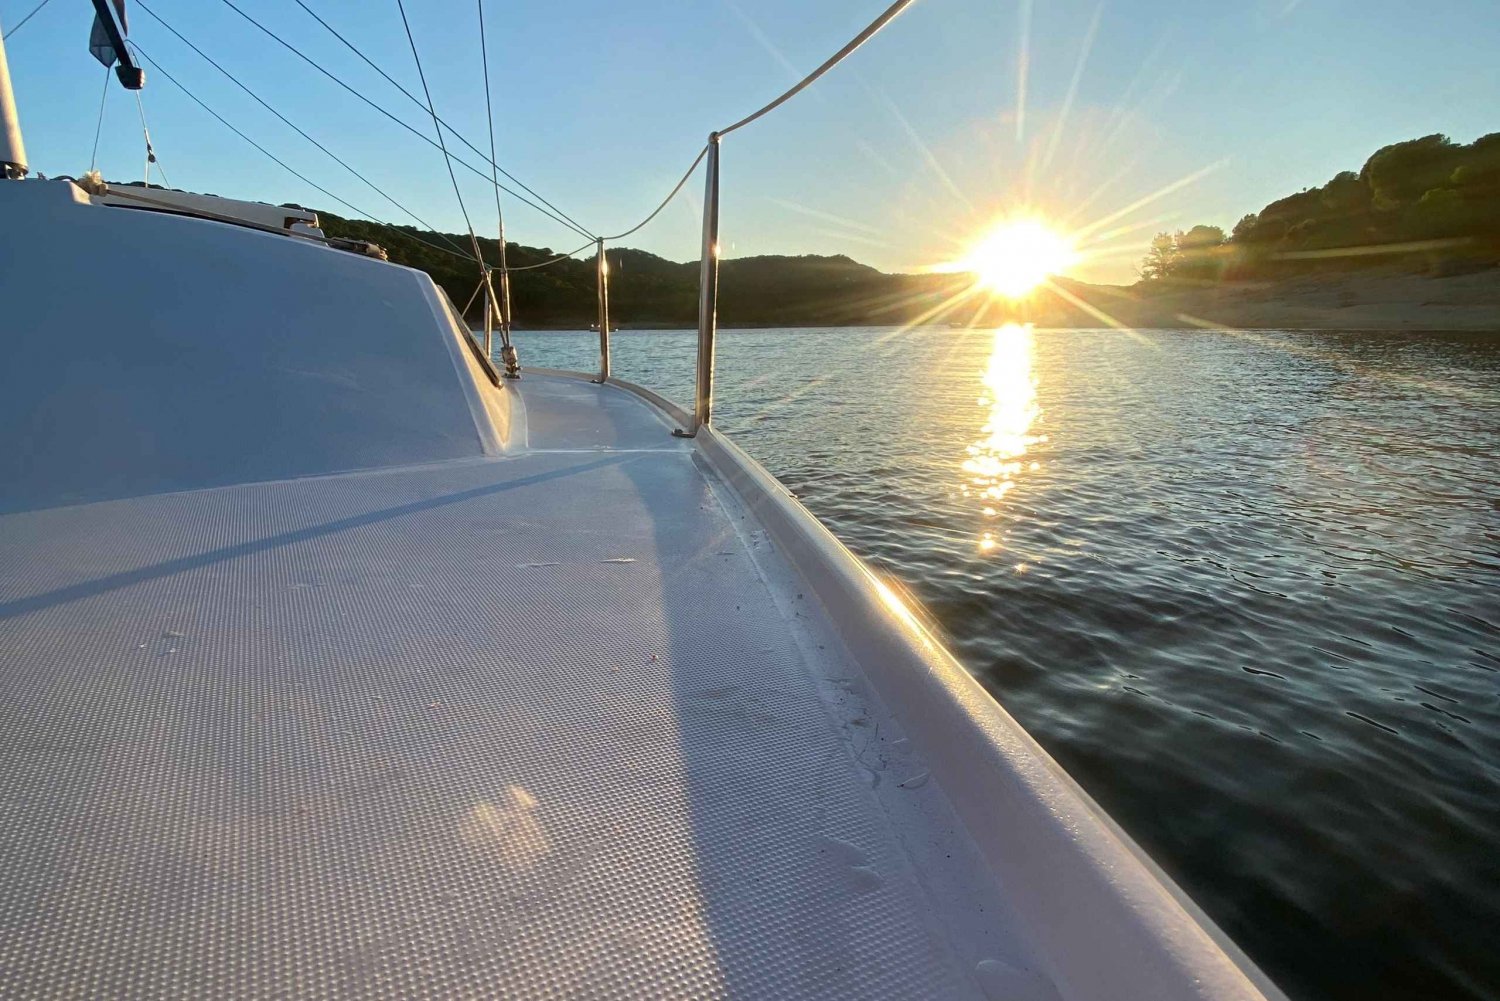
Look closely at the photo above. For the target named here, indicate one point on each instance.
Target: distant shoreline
(1367, 300)
(1362, 300)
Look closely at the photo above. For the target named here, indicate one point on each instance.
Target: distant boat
(338, 664)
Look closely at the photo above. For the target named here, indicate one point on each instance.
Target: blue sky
(899, 158)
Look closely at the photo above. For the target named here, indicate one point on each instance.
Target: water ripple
(1243, 587)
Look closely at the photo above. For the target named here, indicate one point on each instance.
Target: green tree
(1426, 189)
(1162, 259)
(1200, 253)
(1244, 230)
(1200, 238)
(1401, 173)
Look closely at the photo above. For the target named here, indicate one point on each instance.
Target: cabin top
(201, 353)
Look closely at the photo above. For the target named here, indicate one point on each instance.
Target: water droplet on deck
(865, 879)
(843, 851)
(1000, 981)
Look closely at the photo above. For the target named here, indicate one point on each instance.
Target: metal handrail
(601, 283)
(708, 295)
(708, 273)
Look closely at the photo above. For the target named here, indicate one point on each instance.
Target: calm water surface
(1244, 586)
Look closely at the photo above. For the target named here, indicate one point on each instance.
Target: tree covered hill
(649, 291)
(1426, 204)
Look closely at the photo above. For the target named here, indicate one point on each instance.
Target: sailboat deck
(555, 724)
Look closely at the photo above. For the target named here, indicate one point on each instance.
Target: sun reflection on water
(996, 461)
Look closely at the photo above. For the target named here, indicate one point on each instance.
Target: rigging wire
(559, 257)
(427, 139)
(657, 211)
(99, 126)
(858, 40)
(150, 152)
(489, 114)
(447, 160)
(281, 163)
(290, 124)
(22, 22)
(507, 351)
(880, 22)
(477, 289)
(583, 231)
(529, 267)
(438, 126)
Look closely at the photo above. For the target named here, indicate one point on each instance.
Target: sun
(1018, 255)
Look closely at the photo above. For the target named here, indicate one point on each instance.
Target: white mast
(12, 149)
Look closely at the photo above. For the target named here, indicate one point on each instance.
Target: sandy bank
(1383, 300)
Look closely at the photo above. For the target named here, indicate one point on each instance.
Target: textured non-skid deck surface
(569, 413)
(525, 727)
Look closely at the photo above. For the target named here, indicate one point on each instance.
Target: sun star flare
(1017, 256)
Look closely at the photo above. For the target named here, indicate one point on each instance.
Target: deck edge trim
(912, 669)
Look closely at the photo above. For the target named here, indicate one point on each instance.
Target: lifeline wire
(880, 22)
(830, 63)
(696, 160)
(559, 257)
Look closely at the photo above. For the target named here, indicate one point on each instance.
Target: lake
(1245, 586)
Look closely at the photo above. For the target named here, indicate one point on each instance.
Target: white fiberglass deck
(332, 666)
(543, 725)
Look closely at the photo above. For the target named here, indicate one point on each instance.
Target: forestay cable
(150, 150)
(489, 114)
(427, 139)
(283, 165)
(507, 350)
(293, 126)
(447, 160)
(583, 230)
(99, 125)
(23, 20)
